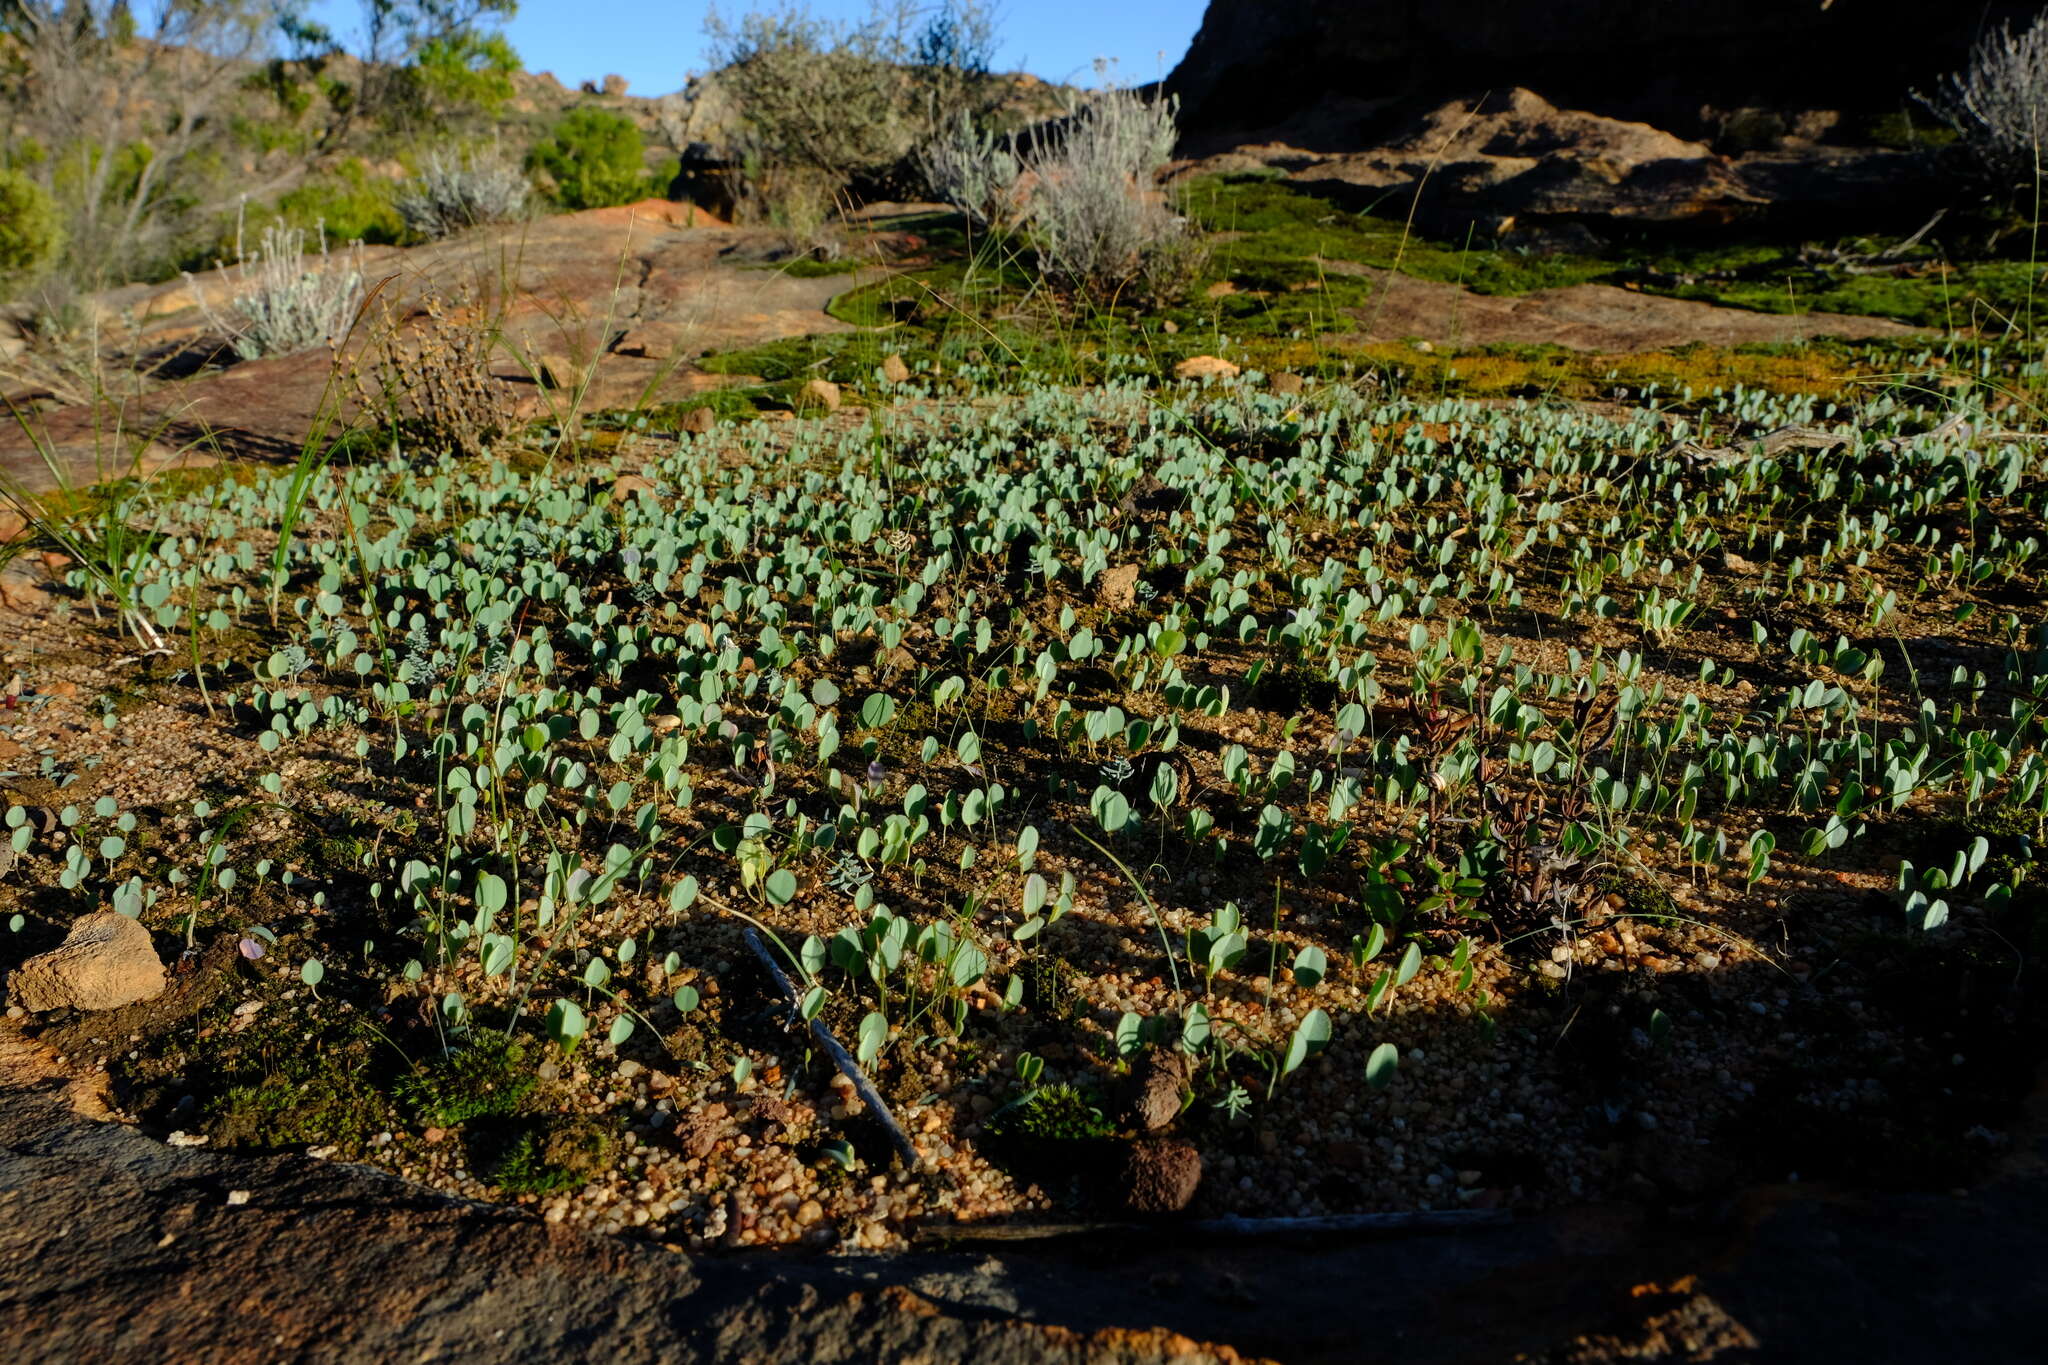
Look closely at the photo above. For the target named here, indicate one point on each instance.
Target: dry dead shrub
(428, 378)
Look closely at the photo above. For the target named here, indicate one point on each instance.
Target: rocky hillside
(1256, 64)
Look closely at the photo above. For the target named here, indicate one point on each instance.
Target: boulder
(105, 962)
(614, 85)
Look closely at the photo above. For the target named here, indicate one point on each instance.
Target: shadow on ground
(114, 1244)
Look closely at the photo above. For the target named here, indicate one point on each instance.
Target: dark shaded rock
(1158, 1175)
(1256, 63)
(1153, 1092)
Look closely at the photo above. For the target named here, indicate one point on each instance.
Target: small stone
(816, 394)
(1205, 367)
(894, 370)
(809, 1212)
(237, 1198)
(1288, 383)
(629, 1069)
(1169, 326)
(105, 962)
(558, 371)
(652, 341)
(185, 1139)
(697, 421)
(19, 592)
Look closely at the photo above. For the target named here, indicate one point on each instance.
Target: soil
(1539, 1080)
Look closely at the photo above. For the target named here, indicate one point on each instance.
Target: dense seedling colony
(1289, 733)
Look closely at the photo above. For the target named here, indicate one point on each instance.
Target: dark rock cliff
(1679, 64)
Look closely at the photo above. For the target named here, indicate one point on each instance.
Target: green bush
(466, 72)
(350, 205)
(30, 235)
(595, 158)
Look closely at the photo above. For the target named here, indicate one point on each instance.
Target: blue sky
(656, 44)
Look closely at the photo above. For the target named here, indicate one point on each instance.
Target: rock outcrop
(1258, 63)
(1510, 161)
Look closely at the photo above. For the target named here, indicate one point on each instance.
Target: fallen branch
(843, 1059)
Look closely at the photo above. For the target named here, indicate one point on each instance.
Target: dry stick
(850, 1068)
(1341, 1224)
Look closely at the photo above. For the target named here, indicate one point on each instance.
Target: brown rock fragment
(1117, 588)
(105, 962)
(1204, 367)
(1158, 1175)
(652, 341)
(816, 395)
(1156, 1085)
